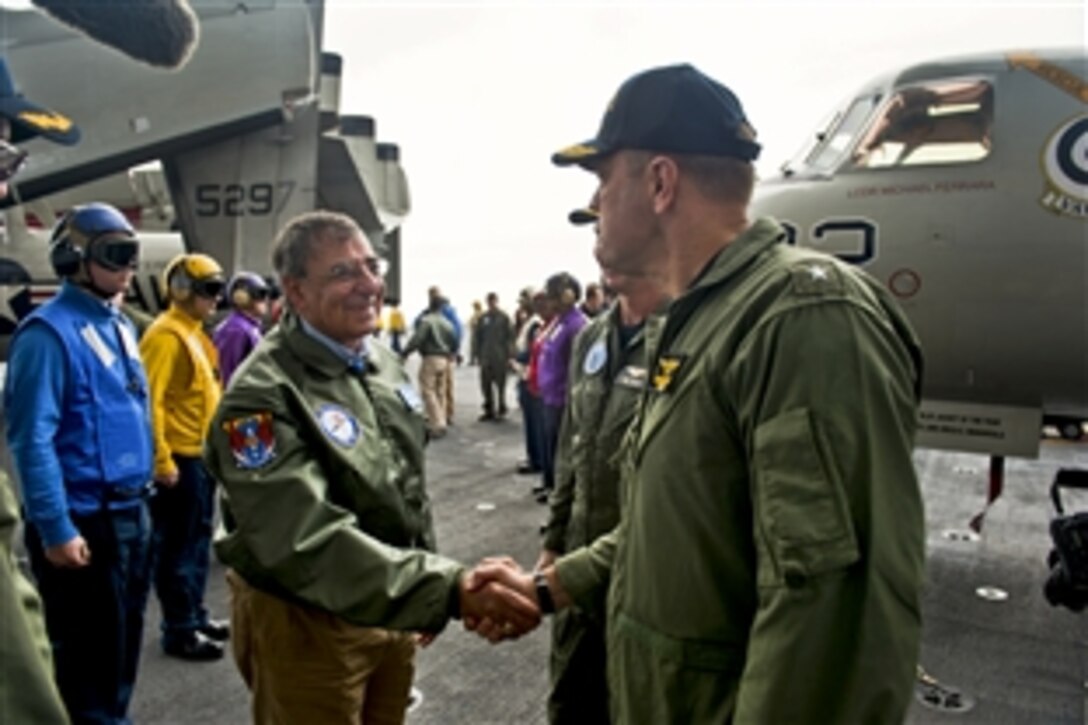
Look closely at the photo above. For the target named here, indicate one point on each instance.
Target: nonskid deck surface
(1011, 659)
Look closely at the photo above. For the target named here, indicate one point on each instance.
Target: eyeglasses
(115, 254)
(259, 295)
(12, 159)
(348, 272)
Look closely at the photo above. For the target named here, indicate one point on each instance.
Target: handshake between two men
(499, 600)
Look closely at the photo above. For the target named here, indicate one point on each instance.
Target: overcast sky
(479, 95)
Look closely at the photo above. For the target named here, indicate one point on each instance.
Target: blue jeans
(95, 614)
(533, 424)
(181, 547)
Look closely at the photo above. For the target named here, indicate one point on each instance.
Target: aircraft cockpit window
(838, 137)
(940, 123)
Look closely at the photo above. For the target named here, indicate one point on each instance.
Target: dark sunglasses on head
(211, 288)
(116, 254)
(12, 159)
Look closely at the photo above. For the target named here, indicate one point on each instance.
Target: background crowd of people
(533, 347)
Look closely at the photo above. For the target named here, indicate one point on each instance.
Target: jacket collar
(761, 235)
(182, 318)
(319, 351)
(89, 303)
(238, 317)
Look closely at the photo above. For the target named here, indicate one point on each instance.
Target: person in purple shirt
(564, 292)
(240, 331)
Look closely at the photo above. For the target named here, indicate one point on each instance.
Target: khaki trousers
(449, 390)
(434, 380)
(306, 665)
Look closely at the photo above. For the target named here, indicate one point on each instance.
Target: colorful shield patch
(252, 441)
(338, 424)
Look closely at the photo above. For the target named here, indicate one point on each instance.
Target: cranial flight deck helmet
(193, 274)
(245, 288)
(93, 232)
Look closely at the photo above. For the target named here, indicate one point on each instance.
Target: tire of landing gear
(1071, 430)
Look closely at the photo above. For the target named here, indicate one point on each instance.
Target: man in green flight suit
(607, 375)
(27, 691)
(326, 521)
(769, 561)
(493, 340)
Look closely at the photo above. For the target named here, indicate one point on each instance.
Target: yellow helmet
(193, 274)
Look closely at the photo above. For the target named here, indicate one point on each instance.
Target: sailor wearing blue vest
(79, 431)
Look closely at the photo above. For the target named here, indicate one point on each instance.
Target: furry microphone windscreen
(158, 32)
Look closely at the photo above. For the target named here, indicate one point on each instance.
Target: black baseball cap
(28, 119)
(675, 109)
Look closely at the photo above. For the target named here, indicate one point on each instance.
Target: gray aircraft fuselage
(962, 185)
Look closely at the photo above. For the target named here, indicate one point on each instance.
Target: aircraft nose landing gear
(1070, 429)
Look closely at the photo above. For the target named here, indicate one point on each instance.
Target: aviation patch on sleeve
(338, 424)
(252, 441)
(665, 372)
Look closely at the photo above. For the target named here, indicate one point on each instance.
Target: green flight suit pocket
(803, 522)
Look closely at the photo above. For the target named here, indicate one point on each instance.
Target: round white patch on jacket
(338, 424)
(595, 358)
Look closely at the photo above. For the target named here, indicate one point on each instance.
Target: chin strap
(86, 281)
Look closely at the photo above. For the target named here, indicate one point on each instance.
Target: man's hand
(167, 480)
(505, 572)
(72, 554)
(498, 601)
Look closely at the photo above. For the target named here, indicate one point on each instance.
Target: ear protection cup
(175, 282)
(246, 289)
(186, 270)
(180, 287)
(65, 257)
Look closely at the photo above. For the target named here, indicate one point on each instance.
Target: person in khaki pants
(312, 661)
(319, 447)
(435, 340)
